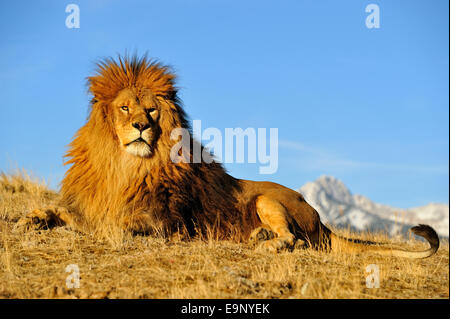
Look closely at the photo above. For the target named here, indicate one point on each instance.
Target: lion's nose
(141, 126)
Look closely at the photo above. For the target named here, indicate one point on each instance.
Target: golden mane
(105, 185)
(114, 76)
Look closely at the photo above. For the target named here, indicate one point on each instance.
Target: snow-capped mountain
(338, 207)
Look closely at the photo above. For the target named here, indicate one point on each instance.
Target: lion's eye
(151, 110)
(124, 108)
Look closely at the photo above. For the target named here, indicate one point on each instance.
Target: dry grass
(33, 264)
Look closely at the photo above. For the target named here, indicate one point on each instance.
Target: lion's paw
(41, 219)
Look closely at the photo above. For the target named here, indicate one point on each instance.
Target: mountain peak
(334, 188)
(339, 207)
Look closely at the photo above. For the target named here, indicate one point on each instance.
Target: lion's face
(136, 115)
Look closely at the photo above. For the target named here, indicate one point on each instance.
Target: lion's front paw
(41, 219)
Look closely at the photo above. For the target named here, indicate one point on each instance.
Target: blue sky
(369, 106)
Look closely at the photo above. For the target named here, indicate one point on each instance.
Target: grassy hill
(33, 264)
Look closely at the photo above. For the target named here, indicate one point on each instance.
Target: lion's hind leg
(273, 214)
(46, 218)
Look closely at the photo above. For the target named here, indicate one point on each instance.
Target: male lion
(122, 172)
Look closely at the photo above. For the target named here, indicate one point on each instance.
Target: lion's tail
(425, 231)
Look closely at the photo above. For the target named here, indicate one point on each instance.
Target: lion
(121, 172)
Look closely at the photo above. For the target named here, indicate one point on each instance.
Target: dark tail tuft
(428, 233)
